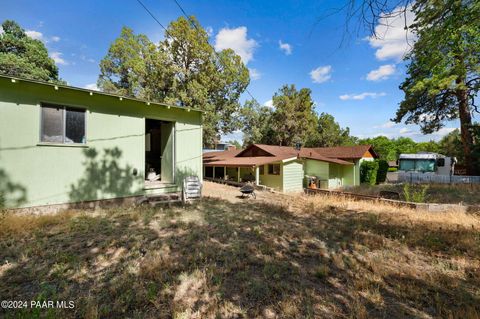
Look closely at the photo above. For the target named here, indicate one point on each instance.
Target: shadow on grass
(221, 259)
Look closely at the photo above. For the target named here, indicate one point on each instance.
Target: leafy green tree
(329, 133)
(451, 145)
(294, 119)
(124, 70)
(254, 120)
(23, 56)
(383, 146)
(182, 70)
(443, 72)
(430, 146)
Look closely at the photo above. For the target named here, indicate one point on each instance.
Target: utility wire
(193, 24)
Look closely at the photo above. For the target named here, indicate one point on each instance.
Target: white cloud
(321, 74)
(443, 131)
(393, 41)
(406, 131)
(57, 57)
(237, 40)
(92, 86)
(285, 47)
(55, 38)
(269, 104)
(382, 73)
(34, 34)
(361, 96)
(388, 124)
(254, 74)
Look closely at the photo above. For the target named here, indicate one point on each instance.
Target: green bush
(382, 171)
(392, 169)
(368, 172)
(415, 193)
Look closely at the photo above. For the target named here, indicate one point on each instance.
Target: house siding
(293, 176)
(317, 168)
(273, 181)
(101, 169)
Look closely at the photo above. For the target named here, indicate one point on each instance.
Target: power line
(193, 24)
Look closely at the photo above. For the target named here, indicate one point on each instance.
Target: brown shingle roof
(274, 153)
(345, 152)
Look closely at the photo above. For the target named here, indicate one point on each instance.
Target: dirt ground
(233, 195)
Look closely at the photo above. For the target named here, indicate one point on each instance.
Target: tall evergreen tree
(294, 119)
(23, 56)
(329, 133)
(444, 70)
(182, 70)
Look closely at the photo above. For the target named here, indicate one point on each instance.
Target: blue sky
(282, 42)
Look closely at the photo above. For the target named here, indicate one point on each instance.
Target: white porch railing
(415, 177)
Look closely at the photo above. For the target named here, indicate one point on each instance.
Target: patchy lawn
(275, 257)
(436, 193)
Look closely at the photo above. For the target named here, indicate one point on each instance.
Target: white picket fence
(414, 177)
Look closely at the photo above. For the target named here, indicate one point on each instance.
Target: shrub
(392, 169)
(382, 171)
(416, 194)
(368, 172)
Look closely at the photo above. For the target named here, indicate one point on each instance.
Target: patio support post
(213, 172)
(225, 173)
(238, 174)
(257, 175)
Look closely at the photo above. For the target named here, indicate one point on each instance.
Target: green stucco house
(61, 144)
(287, 169)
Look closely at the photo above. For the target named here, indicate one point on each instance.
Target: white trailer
(427, 163)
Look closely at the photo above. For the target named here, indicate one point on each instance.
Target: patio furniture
(248, 190)
(192, 188)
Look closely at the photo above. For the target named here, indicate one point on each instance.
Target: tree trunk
(465, 130)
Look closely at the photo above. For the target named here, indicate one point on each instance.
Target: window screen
(74, 126)
(62, 125)
(274, 169)
(52, 124)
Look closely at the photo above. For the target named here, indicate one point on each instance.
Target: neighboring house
(60, 144)
(286, 169)
(219, 147)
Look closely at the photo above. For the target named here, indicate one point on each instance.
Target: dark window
(262, 170)
(441, 162)
(208, 171)
(60, 124)
(273, 169)
(219, 172)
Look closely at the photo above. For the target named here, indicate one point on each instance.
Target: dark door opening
(158, 151)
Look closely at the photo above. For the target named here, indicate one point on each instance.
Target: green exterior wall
(317, 168)
(272, 181)
(33, 174)
(292, 174)
(349, 175)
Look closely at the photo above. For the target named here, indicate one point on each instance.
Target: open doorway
(159, 152)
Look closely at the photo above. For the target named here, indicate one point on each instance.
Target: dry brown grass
(279, 257)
